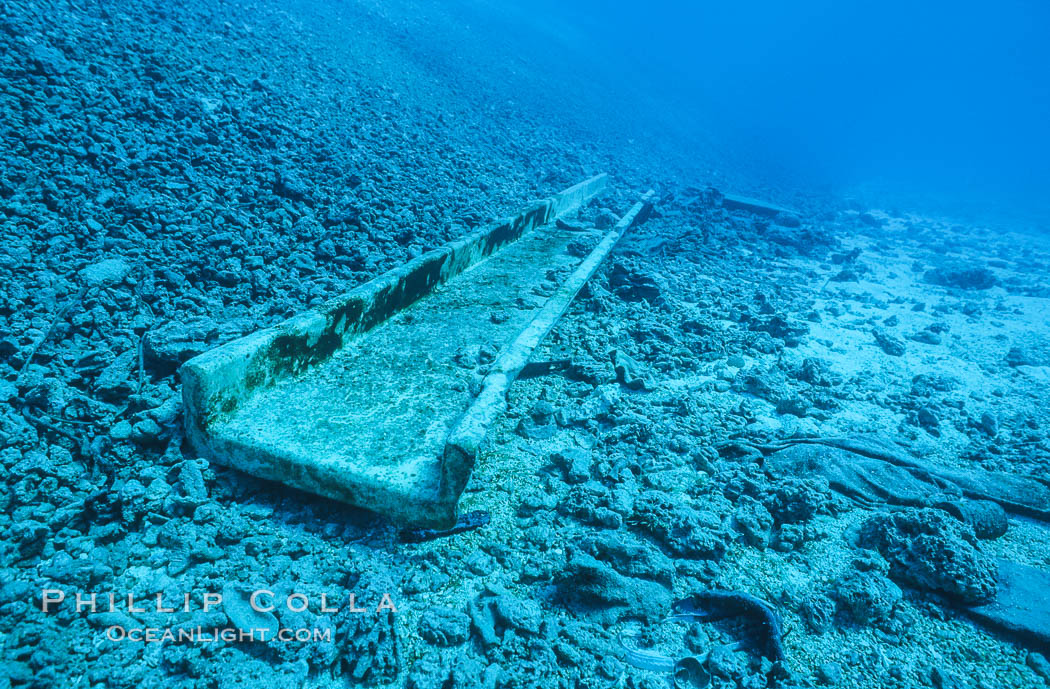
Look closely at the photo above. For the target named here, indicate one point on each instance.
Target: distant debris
(563, 225)
(962, 277)
(888, 343)
(870, 220)
(744, 203)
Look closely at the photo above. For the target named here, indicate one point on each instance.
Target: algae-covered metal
(356, 400)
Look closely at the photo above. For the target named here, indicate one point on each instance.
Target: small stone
(988, 424)
(111, 271)
(157, 490)
(754, 522)
(829, 673)
(680, 529)
(8, 348)
(790, 537)
(926, 337)
(944, 679)
(888, 343)
(539, 424)
(630, 372)
(1039, 664)
(31, 536)
(430, 672)
(236, 603)
(1027, 354)
(870, 220)
(480, 563)
(634, 284)
(795, 406)
(818, 612)
(120, 431)
(575, 462)
(290, 186)
(726, 663)
(928, 419)
(962, 277)
(868, 597)
(444, 627)
(592, 587)
(146, 432)
(165, 413)
(191, 482)
(208, 553)
(114, 380)
(605, 219)
(171, 344)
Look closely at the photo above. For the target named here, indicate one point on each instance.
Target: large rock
(930, 550)
(174, 343)
(444, 626)
(612, 578)
(867, 597)
(110, 271)
(680, 529)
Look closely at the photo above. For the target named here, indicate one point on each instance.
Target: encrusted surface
(355, 399)
(378, 411)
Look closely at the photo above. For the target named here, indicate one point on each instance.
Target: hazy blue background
(926, 100)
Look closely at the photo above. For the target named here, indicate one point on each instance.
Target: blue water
(944, 101)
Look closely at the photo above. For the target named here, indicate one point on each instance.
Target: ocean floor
(171, 179)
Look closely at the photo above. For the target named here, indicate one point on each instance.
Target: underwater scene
(491, 344)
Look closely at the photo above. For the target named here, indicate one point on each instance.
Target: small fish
(644, 659)
(710, 606)
(466, 522)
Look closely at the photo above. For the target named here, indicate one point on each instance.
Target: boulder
(931, 550)
(174, 343)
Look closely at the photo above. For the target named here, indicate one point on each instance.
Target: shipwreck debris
(734, 202)
(354, 400)
(896, 478)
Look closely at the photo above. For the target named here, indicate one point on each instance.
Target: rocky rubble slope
(174, 176)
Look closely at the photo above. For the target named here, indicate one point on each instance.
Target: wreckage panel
(378, 411)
